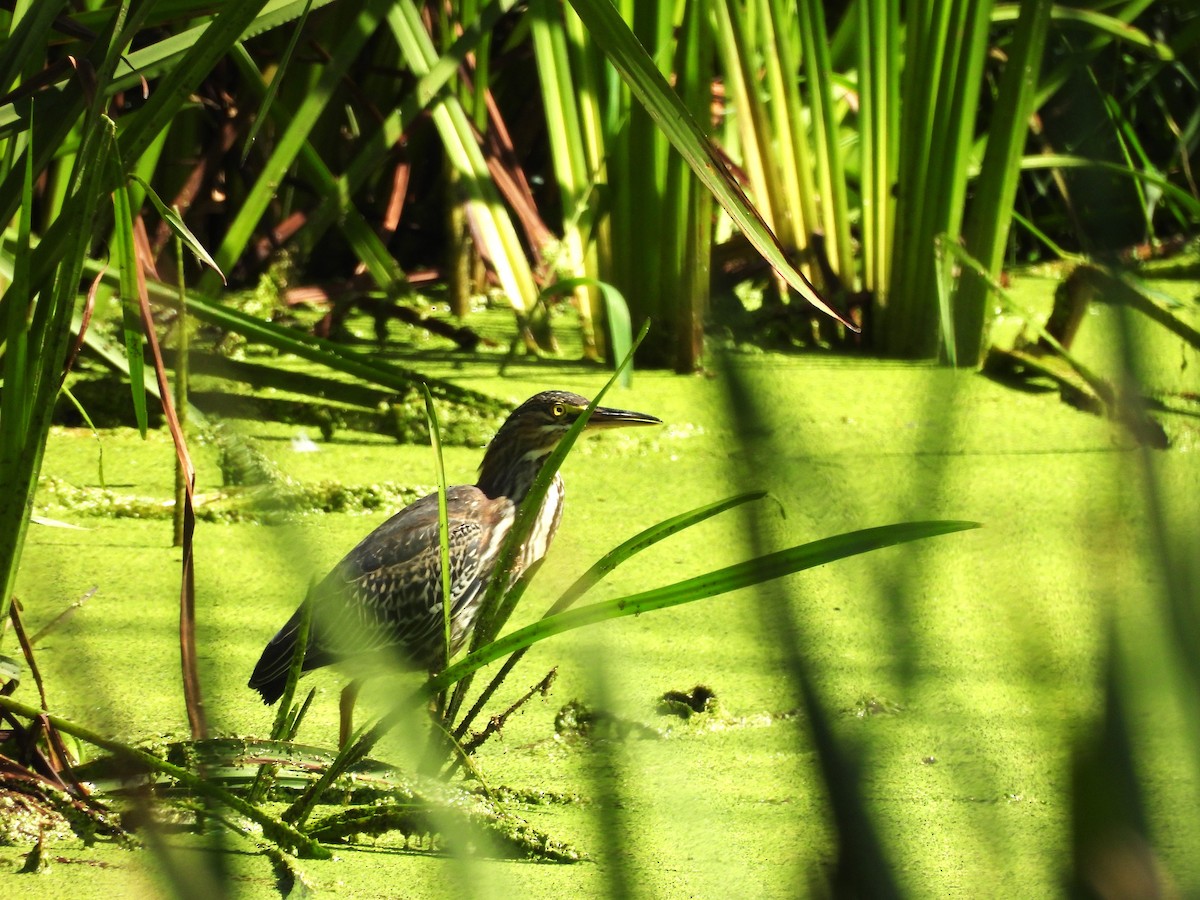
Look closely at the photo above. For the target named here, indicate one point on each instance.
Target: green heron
(385, 597)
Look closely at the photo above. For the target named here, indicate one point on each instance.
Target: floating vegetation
(23, 819)
(379, 799)
(32, 810)
(577, 720)
(866, 707)
(685, 704)
(269, 504)
(465, 820)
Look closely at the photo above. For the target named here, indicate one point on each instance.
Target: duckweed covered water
(965, 667)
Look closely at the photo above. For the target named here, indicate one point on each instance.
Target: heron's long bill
(607, 417)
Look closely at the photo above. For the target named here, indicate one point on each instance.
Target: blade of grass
(15, 400)
(620, 325)
(498, 236)
(202, 56)
(298, 124)
(287, 717)
(334, 206)
(1066, 161)
(986, 230)
(193, 696)
(26, 42)
(639, 72)
(280, 73)
(593, 576)
(335, 356)
(828, 155)
(435, 441)
(179, 228)
(50, 334)
(128, 268)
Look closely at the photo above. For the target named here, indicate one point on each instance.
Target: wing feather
(386, 593)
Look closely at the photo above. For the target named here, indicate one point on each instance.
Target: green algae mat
(672, 751)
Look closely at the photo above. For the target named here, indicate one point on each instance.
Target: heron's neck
(509, 473)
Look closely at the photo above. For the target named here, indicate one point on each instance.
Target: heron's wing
(387, 591)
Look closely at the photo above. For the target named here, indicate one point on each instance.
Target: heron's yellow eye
(559, 409)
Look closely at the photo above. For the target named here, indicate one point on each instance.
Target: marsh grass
(84, 152)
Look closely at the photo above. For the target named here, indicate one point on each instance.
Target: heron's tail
(270, 675)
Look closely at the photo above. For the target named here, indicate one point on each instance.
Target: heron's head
(534, 429)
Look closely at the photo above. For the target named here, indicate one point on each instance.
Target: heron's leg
(346, 711)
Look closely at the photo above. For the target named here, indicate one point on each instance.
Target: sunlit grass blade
(1113, 27)
(23, 46)
(49, 335)
(1190, 204)
(284, 717)
(741, 60)
(435, 441)
(596, 573)
(87, 420)
(611, 33)
(644, 540)
(178, 227)
(566, 111)
(827, 154)
(193, 698)
(127, 266)
(497, 235)
(616, 311)
(287, 717)
(879, 64)
(273, 88)
(711, 584)
(986, 230)
(335, 206)
(15, 400)
(327, 353)
(202, 55)
(297, 127)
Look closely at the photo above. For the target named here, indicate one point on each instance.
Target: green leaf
(608, 29)
(435, 441)
(10, 668)
(1099, 22)
(15, 400)
(598, 570)
(644, 539)
(198, 60)
(986, 230)
(131, 319)
(1066, 161)
(276, 80)
(179, 228)
(711, 584)
(620, 324)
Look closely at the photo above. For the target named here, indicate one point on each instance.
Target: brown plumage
(384, 599)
